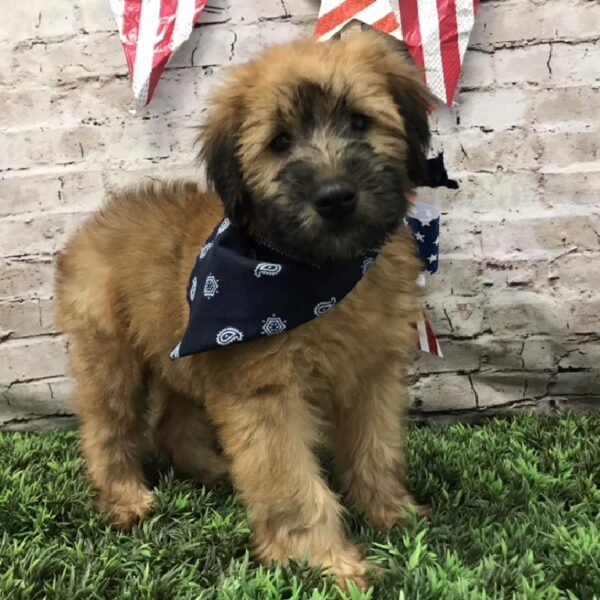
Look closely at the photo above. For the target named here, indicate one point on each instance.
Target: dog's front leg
(369, 448)
(269, 437)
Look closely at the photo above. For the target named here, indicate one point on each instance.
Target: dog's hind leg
(110, 401)
(269, 434)
(183, 433)
(369, 448)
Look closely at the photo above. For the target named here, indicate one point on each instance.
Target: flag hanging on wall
(436, 32)
(150, 31)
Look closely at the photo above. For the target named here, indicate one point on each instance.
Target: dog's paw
(384, 515)
(123, 511)
(348, 565)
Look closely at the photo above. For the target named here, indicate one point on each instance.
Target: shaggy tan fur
(120, 297)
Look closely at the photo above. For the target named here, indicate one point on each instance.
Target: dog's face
(314, 146)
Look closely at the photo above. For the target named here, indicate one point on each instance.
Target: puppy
(312, 148)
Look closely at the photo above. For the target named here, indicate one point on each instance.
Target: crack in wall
(474, 391)
(548, 62)
(232, 47)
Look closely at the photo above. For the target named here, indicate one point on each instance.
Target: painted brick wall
(516, 303)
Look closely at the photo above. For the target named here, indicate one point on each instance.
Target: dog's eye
(359, 122)
(281, 142)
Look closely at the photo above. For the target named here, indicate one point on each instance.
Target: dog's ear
(219, 151)
(408, 90)
(414, 102)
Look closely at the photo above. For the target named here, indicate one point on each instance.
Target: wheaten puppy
(312, 150)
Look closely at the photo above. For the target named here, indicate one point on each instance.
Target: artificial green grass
(515, 514)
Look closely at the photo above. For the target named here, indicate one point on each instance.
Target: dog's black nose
(335, 199)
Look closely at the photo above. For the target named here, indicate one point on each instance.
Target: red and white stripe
(427, 339)
(436, 32)
(334, 14)
(150, 31)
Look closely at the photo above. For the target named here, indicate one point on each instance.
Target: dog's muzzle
(335, 199)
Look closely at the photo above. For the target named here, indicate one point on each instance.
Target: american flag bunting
(334, 14)
(150, 31)
(436, 32)
(424, 222)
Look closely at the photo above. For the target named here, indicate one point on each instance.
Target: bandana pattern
(240, 290)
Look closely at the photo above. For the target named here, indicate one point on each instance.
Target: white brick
(568, 108)
(522, 65)
(68, 192)
(26, 278)
(506, 67)
(35, 358)
(582, 314)
(459, 237)
(585, 355)
(38, 19)
(568, 151)
(541, 237)
(26, 318)
(581, 383)
(500, 274)
(65, 61)
(477, 70)
(577, 271)
(517, 311)
(540, 353)
(482, 192)
(216, 11)
(572, 189)
(97, 16)
(443, 392)
(459, 355)
(36, 398)
(501, 388)
(131, 143)
(575, 64)
(518, 22)
(457, 276)
(460, 317)
(510, 108)
(45, 234)
(23, 150)
(497, 388)
(252, 39)
(501, 352)
(206, 46)
(183, 93)
(506, 150)
(257, 10)
(97, 103)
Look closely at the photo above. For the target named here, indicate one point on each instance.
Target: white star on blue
(424, 222)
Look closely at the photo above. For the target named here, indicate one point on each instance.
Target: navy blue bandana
(241, 290)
